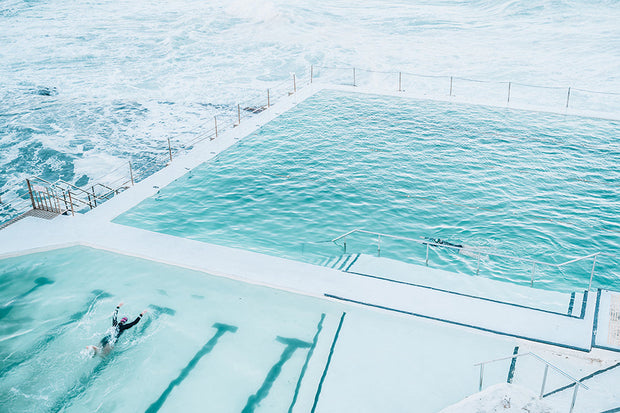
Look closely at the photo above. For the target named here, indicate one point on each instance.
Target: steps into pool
(563, 319)
(570, 304)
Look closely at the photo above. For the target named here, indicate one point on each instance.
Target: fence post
(568, 97)
(592, 272)
(311, 73)
(400, 81)
(71, 201)
(294, 84)
(239, 113)
(169, 150)
(94, 196)
(481, 374)
(354, 77)
(509, 84)
(450, 85)
(130, 174)
(572, 403)
(215, 119)
(268, 102)
(49, 207)
(544, 381)
(30, 192)
(64, 198)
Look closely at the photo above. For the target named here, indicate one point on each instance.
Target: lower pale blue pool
(521, 183)
(213, 344)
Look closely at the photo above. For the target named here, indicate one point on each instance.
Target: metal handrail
(576, 382)
(474, 250)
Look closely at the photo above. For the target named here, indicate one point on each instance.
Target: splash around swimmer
(107, 342)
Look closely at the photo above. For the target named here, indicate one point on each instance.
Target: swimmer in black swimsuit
(107, 342)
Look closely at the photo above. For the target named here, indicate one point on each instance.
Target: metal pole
(268, 101)
(130, 174)
(354, 77)
(94, 196)
(215, 119)
(378, 245)
(533, 271)
(64, 197)
(572, 403)
(239, 113)
(294, 84)
(592, 272)
(345, 245)
(450, 85)
(48, 207)
(542, 387)
(400, 81)
(71, 203)
(509, 84)
(481, 377)
(427, 255)
(169, 150)
(30, 192)
(311, 73)
(568, 97)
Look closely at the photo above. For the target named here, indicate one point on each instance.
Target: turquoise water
(514, 182)
(210, 343)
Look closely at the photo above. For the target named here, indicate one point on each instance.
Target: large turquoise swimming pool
(521, 183)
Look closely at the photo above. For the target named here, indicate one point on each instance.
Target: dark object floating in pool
(439, 241)
(46, 91)
(255, 109)
(198, 297)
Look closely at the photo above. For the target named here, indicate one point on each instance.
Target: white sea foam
(121, 78)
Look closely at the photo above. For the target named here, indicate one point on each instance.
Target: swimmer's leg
(106, 350)
(93, 349)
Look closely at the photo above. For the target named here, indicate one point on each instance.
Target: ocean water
(87, 85)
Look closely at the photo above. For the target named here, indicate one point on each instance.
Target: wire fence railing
(15, 201)
(553, 98)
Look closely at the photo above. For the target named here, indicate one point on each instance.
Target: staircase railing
(469, 251)
(576, 382)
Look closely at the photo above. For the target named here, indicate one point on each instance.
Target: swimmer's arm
(134, 322)
(114, 322)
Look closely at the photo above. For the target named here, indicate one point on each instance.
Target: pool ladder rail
(575, 382)
(468, 251)
(62, 197)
